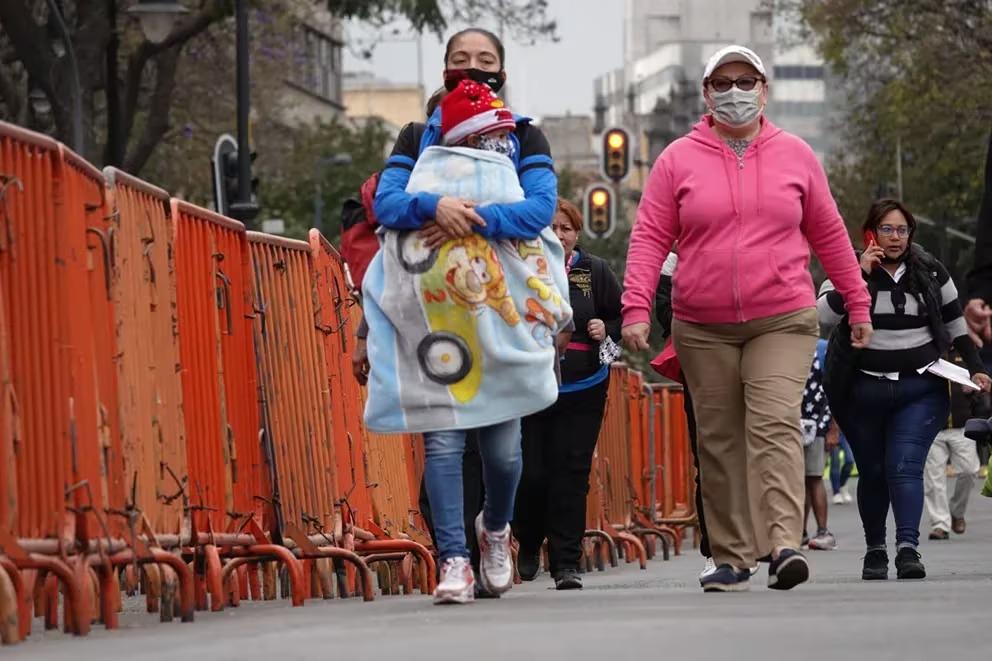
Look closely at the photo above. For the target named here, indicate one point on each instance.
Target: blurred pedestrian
(978, 311)
(819, 437)
(952, 449)
(841, 467)
(745, 201)
(558, 443)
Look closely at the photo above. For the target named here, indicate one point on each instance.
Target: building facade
(667, 43)
(395, 104)
(313, 89)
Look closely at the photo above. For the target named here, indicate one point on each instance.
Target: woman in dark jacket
(892, 407)
(558, 443)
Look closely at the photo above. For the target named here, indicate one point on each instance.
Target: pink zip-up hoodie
(744, 231)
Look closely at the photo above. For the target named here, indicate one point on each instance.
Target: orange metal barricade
(56, 264)
(32, 271)
(296, 402)
(294, 382)
(215, 301)
(379, 476)
(97, 460)
(151, 397)
(675, 503)
(625, 465)
(335, 320)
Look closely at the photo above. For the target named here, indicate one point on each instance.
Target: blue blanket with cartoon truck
(462, 336)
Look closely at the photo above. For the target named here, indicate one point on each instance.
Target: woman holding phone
(896, 407)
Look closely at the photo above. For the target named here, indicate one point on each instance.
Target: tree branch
(9, 92)
(158, 111)
(210, 12)
(30, 42)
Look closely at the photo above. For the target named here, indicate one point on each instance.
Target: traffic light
(225, 175)
(616, 154)
(599, 211)
(224, 167)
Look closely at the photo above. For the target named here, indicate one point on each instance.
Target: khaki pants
(963, 453)
(747, 384)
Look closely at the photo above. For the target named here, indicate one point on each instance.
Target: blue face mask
(499, 145)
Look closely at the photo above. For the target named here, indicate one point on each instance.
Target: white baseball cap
(730, 54)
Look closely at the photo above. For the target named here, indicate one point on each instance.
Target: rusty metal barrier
(61, 387)
(379, 476)
(674, 483)
(223, 453)
(153, 436)
(614, 450)
(296, 407)
(229, 481)
(151, 397)
(34, 265)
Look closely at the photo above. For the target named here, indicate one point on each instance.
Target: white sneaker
(839, 498)
(847, 496)
(496, 563)
(708, 569)
(457, 584)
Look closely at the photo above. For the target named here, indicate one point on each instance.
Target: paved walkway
(622, 614)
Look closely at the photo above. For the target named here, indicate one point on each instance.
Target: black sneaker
(876, 565)
(727, 579)
(788, 570)
(568, 579)
(528, 565)
(909, 565)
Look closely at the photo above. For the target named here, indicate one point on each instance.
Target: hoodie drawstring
(757, 159)
(730, 173)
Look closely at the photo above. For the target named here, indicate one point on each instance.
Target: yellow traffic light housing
(599, 211)
(616, 154)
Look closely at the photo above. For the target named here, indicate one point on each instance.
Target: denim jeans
(840, 471)
(892, 425)
(499, 446)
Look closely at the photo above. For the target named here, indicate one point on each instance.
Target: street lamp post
(244, 208)
(78, 140)
(335, 160)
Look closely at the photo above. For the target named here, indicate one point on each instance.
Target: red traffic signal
(599, 211)
(616, 154)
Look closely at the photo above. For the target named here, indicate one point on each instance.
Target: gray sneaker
(824, 541)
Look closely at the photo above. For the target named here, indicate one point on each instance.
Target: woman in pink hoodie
(745, 201)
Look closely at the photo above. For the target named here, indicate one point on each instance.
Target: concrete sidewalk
(622, 614)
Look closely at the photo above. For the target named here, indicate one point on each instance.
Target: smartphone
(870, 239)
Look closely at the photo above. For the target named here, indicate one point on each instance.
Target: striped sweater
(903, 339)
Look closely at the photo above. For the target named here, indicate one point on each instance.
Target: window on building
(798, 72)
(318, 70)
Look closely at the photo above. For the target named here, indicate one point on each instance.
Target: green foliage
(288, 186)
(916, 73)
(527, 20)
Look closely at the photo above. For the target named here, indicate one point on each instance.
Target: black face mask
(494, 79)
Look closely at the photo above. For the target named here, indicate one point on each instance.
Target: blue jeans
(892, 425)
(840, 471)
(499, 447)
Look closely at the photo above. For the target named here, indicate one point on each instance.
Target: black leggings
(558, 445)
(690, 418)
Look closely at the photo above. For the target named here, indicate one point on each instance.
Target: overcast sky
(545, 79)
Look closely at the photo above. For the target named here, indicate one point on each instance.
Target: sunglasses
(743, 83)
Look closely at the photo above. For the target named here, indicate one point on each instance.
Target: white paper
(952, 373)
